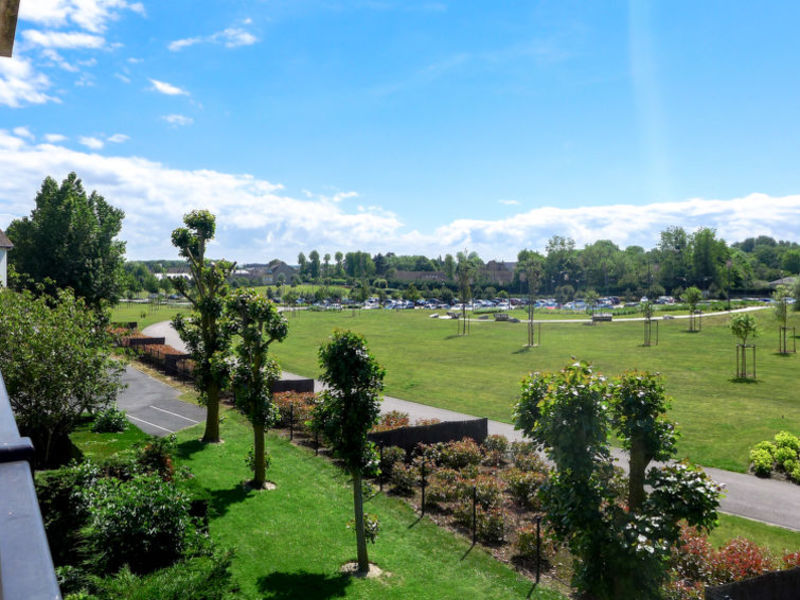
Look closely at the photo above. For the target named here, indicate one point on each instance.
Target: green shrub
(110, 420)
(789, 465)
(784, 455)
(442, 487)
(491, 525)
(762, 462)
(768, 446)
(404, 478)
(784, 439)
(524, 486)
(391, 456)
(459, 454)
(431, 453)
(64, 507)
(498, 443)
(488, 490)
(794, 473)
(206, 577)
(143, 523)
(525, 546)
(155, 456)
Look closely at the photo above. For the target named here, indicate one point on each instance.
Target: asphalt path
(767, 500)
(153, 406)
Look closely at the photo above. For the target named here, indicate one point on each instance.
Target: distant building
(5, 246)
(420, 276)
(275, 268)
(498, 272)
(787, 281)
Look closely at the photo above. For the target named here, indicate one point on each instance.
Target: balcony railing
(26, 567)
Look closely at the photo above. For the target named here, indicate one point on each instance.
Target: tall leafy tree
(313, 264)
(339, 269)
(57, 365)
(692, 297)
(621, 542)
(70, 239)
(350, 407)
(303, 262)
(208, 342)
(257, 322)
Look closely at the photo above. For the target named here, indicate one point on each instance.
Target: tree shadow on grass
(743, 380)
(222, 499)
(309, 586)
(523, 350)
(186, 449)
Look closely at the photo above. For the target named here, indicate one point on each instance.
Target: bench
(601, 317)
(501, 317)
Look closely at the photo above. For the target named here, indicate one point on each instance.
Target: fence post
(291, 422)
(474, 514)
(538, 545)
(381, 475)
(422, 473)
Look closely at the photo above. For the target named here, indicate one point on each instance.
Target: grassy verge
(291, 542)
(776, 539)
(145, 314)
(479, 374)
(98, 446)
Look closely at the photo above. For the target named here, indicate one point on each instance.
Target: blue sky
(408, 126)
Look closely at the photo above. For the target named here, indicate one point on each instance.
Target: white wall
(3, 281)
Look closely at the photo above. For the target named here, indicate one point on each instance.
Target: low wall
(301, 386)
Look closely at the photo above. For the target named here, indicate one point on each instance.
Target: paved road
(154, 407)
(766, 500)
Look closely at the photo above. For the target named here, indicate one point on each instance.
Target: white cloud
(167, 88)
(178, 120)
(135, 61)
(231, 37)
(509, 202)
(122, 78)
(54, 138)
(60, 39)
(257, 220)
(23, 132)
(118, 138)
(91, 142)
(91, 15)
(54, 57)
(21, 84)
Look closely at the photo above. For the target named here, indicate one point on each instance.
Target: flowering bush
(442, 487)
(526, 544)
(523, 486)
(496, 443)
(457, 455)
(423, 422)
(390, 456)
(392, 420)
(489, 523)
(294, 405)
(404, 478)
(488, 490)
(738, 559)
(790, 560)
(691, 558)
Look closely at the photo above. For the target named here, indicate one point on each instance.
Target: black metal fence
(26, 567)
(407, 438)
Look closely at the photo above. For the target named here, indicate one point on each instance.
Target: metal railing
(26, 567)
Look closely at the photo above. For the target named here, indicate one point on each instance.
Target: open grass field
(479, 374)
(153, 313)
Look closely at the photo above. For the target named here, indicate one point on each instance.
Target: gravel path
(766, 500)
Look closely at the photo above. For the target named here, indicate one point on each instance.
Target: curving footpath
(766, 500)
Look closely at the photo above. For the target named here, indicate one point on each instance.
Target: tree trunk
(358, 507)
(211, 435)
(637, 466)
(260, 470)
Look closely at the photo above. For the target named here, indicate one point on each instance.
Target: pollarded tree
(57, 365)
(350, 407)
(208, 342)
(257, 322)
(70, 239)
(692, 297)
(743, 326)
(620, 544)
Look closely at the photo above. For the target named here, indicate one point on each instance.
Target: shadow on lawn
(309, 586)
(186, 449)
(222, 499)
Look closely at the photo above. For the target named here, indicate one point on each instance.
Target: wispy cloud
(167, 88)
(231, 37)
(122, 78)
(23, 132)
(91, 142)
(62, 39)
(54, 138)
(91, 15)
(178, 120)
(21, 84)
(509, 202)
(118, 138)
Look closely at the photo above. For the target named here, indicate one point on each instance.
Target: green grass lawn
(98, 446)
(777, 539)
(291, 542)
(479, 374)
(153, 313)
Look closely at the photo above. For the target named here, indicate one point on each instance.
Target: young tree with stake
(208, 342)
(350, 407)
(257, 321)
